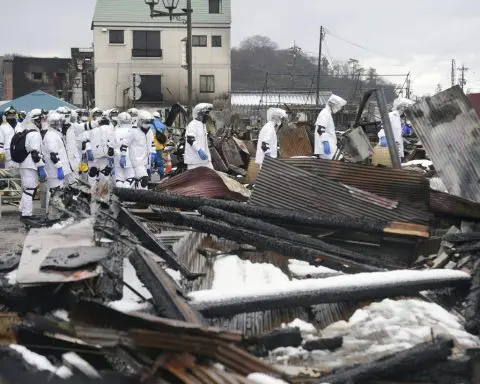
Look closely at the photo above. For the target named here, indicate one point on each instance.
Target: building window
(207, 84)
(116, 36)
(216, 41)
(214, 6)
(151, 87)
(199, 41)
(37, 76)
(146, 44)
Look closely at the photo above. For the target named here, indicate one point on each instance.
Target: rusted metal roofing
(283, 185)
(200, 182)
(277, 98)
(445, 204)
(406, 187)
(295, 141)
(475, 100)
(449, 129)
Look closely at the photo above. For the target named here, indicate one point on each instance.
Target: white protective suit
(55, 156)
(196, 138)
(125, 177)
(398, 109)
(325, 119)
(102, 143)
(267, 138)
(6, 134)
(29, 167)
(133, 112)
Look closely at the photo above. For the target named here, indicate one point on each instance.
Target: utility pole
(294, 50)
(462, 70)
(319, 68)
(408, 88)
(453, 72)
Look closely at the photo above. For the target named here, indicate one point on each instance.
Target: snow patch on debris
(423, 163)
(12, 277)
(61, 314)
(40, 362)
(175, 275)
(437, 184)
(232, 273)
(130, 301)
(382, 329)
(63, 224)
(231, 284)
(303, 269)
(261, 378)
(303, 326)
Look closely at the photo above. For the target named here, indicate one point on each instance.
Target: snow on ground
(63, 224)
(62, 314)
(41, 362)
(381, 329)
(261, 378)
(303, 326)
(130, 301)
(301, 268)
(175, 275)
(232, 273)
(12, 277)
(437, 184)
(237, 280)
(424, 163)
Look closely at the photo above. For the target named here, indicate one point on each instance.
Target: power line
(355, 44)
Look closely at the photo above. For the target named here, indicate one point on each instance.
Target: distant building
(24, 75)
(128, 41)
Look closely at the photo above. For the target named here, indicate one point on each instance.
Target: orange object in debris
(168, 164)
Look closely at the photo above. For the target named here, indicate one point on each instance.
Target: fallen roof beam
(359, 287)
(285, 216)
(391, 367)
(282, 233)
(150, 242)
(266, 243)
(166, 295)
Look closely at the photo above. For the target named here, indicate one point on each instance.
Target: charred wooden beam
(472, 310)
(264, 242)
(289, 217)
(462, 237)
(150, 242)
(376, 285)
(167, 296)
(391, 367)
(279, 232)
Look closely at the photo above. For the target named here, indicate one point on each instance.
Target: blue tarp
(37, 99)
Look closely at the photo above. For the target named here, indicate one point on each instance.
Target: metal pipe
(189, 58)
(392, 147)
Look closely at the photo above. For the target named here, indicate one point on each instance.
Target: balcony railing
(146, 52)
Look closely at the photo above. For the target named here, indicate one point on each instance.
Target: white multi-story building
(128, 41)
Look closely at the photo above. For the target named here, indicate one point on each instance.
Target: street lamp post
(171, 5)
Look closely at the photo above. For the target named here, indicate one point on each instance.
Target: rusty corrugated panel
(445, 204)
(449, 129)
(294, 140)
(199, 182)
(403, 186)
(475, 100)
(283, 185)
(231, 153)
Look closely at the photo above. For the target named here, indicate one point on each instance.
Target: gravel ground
(12, 231)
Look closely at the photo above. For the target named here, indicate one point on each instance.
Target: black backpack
(17, 146)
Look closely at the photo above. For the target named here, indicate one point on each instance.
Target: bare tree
(257, 42)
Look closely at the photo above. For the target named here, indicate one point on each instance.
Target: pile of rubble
(323, 272)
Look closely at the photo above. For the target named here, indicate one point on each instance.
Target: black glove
(111, 152)
(321, 130)
(265, 147)
(104, 121)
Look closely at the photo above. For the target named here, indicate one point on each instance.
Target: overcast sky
(420, 36)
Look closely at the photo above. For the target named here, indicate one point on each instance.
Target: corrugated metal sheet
(445, 204)
(449, 129)
(200, 182)
(295, 141)
(408, 188)
(136, 12)
(475, 100)
(277, 98)
(283, 185)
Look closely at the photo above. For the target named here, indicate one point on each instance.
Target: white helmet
(156, 115)
(145, 120)
(401, 103)
(124, 118)
(96, 112)
(63, 110)
(201, 109)
(276, 115)
(133, 112)
(336, 103)
(55, 120)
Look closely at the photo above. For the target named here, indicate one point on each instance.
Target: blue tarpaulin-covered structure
(37, 99)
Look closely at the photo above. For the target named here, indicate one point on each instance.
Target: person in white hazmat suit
(133, 112)
(124, 172)
(325, 136)
(32, 168)
(7, 130)
(267, 138)
(56, 163)
(197, 153)
(101, 143)
(398, 110)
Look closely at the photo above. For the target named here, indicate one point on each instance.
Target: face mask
(145, 126)
(12, 122)
(84, 119)
(204, 119)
